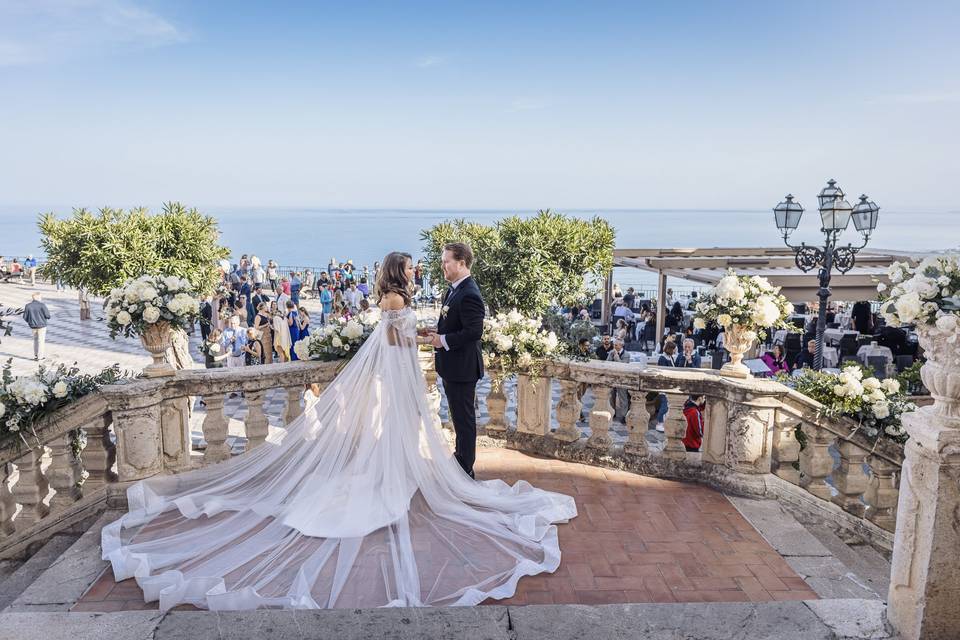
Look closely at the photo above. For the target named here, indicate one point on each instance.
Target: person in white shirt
(352, 296)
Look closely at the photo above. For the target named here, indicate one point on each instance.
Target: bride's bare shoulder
(391, 302)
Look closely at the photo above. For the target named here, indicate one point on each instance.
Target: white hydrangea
(514, 316)
(124, 318)
(765, 311)
(551, 342)
(302, 349)
(729, 289)
(172, 283)
(353, 330)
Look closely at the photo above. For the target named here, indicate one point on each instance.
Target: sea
(307, 237)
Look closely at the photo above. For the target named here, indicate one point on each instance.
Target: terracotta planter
(156, 339)
(737, 340)
(941, 372)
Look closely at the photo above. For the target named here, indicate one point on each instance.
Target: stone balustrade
(760, 438)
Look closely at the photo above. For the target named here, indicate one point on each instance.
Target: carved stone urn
(941, 372)
(157, 338)
(737, 340)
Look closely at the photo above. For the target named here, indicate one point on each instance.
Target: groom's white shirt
(453, 286)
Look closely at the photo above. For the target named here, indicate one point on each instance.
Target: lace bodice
(400, 325)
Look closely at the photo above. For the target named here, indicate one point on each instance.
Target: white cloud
(33, 31)
(430, 61)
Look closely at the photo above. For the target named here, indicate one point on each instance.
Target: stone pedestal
(750, 435)
(533, 404)
(924, 577)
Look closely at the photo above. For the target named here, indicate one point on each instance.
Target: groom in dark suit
(459, 361)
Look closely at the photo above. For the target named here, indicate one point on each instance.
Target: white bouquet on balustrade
(512, 344)
(339, 339)
(875, 405)
(26, 399)
(750, 302)
(150, 301)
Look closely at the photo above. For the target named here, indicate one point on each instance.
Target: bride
(359, 502)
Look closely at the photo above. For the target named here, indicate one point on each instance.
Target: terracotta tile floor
(637, 539)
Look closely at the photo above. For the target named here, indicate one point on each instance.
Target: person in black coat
(459, 360)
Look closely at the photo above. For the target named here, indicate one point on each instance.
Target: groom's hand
(436, 341)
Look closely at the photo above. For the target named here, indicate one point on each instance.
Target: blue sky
(513, 105)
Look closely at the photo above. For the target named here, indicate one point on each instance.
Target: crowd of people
(20, 271)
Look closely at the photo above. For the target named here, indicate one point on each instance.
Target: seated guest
(604, 348)
(583, 348)
(693, 412)
(805, 359)
(669, 356)
(775, 360)
(620, 333)
(894, 338)
(689, 358)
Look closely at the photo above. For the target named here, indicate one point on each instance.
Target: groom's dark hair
(460, 251)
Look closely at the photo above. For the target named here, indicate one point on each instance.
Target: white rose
(724, 320)
(60, 389)
(854, 388)
(353, 330)
(151, 314)
(302, 349)
(947, 323)
(123, 318)
(871, 383)
(525, 360)
(147, 293)
(891, 385)
(172, 283)
(337, 342)
(839, 390)
(908, 307)
(765, 311)
(894, 430)
(881, 287)
(881, 410)
(698, 323)
(876, 395)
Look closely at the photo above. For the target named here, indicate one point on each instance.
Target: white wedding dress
(359, 502)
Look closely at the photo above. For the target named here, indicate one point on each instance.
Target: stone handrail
(141, 428)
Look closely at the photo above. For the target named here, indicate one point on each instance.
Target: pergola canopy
(707, 266)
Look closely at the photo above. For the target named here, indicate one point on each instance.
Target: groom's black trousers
(461, 399)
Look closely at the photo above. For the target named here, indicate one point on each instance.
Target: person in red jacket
(693, 412)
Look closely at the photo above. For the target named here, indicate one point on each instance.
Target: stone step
(24, 575)
(69, 576)
(867, 564)
(7, 567)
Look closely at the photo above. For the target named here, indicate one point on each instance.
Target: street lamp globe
(834, 210)
(865, 216)
(787, 215)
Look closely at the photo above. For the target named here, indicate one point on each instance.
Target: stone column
(882, 494)
(292, 408)
(31, 489)
(256, 425)
(100, 454)
(568, 412)
(714, 448)
(533, 404)
(750, 434)
(175, 432)
(496, 409)
(849, 478)
(215, 430)
(637, 420)
(786, 448)
(136, 410)
(62, 473)
(816, 463)
(600, 417)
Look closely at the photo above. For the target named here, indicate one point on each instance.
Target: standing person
(206, 316)
(282, 298)
(235, 339)
(331, 266)
(326, 302)
(16, 269)
(363, 287)
(295, 286)
(240, 310)
(285, 285)
(304, 323)
(253, 349)
(667, 359)
(281, 334)
(293, 327)
(307, 283)
(36, 314)
(619, 398)
(214, 354)
(693, 412)
(263, 323)
(257, 272)
(272, 275)
(30, 264)
(352, 297)
(459, 361)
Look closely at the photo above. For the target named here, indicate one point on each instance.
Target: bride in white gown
(359, 502)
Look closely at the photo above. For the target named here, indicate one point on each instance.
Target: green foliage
(529, 264)
(910, 379)
(570, 332)
(98, 252)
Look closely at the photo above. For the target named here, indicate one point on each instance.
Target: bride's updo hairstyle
(392, 276)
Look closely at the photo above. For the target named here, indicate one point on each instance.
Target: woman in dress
(281, 334)
(304, 323)
(776, 360)
(293, 327)
(263, 323)
(253, 350)
(359, 502)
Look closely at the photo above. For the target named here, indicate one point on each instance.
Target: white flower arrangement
(516, 344)
(876, 405)
(339, 339)
(26, 399)
(149, 300)
(750, 302)
(926, 295)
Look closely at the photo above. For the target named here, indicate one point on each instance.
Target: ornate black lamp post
(835, 214)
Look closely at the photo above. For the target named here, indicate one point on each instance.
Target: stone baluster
(638, 419)
(64, 473)
(256, 425)
(8, 504)
(674, 428)
(786, 449)
(31, 489)
(883, 493)
(816, 464)
(100, 455)
(600, 418)
(292, 408)
(215, 430)
(534, 400)
(849, 478)
(496, 409)
(568, 412)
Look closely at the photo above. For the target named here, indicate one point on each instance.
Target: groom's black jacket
(461, 326)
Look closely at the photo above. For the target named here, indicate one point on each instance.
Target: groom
(459, 360)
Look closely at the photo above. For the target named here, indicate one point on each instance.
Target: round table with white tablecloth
(873, 350)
